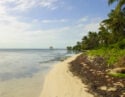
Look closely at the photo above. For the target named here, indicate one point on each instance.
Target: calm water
(22, 71)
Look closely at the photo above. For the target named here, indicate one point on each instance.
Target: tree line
(111, 31)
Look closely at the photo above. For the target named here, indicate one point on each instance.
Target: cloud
(11, 29)
(49, 4)
(24, 5)
(83, 19)
(15, 33)
(55, 21)
(92, 24)
(12, 5)
(91, 27)
(18, 34)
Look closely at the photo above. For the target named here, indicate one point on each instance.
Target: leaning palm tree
(115, 23)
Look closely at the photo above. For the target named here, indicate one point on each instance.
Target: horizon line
(31, 48)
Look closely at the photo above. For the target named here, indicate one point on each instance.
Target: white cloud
(2, 10)
(49, 4)
(11, 29)
(12, 23)
(55, 21)
(16, 33)
(83, 19)
(91, 27)
(89, 24)
(24, 5)
(92, 24)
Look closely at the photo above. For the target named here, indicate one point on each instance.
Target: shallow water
(22, 71)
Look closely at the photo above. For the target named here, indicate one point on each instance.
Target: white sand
(61, 83)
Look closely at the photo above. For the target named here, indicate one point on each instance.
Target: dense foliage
(113, 56)
(111, 32)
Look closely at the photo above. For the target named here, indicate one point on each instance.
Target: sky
(45, 23)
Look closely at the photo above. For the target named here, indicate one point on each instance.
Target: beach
(61, 83)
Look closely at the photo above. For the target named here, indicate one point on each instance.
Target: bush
(121, 44)
(111, 55)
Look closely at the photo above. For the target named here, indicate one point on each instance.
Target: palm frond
(122, 3)
(111, 1)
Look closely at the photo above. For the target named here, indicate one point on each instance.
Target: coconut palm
(105, 38)
(92, 41)
(119, 6)
(115, 24)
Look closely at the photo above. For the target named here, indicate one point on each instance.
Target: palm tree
(69, 48)
(92, 41)
(84, 38)
(77, 47)
(105, 38)
(115, 24)
(84, 43)
(119, 5)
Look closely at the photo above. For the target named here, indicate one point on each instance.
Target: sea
(22, 71)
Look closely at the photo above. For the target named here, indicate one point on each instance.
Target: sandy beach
(61, 83)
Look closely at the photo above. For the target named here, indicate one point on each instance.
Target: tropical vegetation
(109, 41)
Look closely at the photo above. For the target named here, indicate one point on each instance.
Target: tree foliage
(111, 31)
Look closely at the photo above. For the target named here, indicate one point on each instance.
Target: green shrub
(121, 44)
(120, 75)
(111, 55)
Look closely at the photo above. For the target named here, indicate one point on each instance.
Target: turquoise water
(22, 71)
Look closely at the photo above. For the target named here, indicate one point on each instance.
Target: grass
(111, 55)
(120, 75)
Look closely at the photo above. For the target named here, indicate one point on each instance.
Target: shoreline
(94, 72)
(60, 82)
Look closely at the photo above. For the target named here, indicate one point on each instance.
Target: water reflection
(25, 63)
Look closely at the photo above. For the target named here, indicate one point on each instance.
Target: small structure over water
(51, 48)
